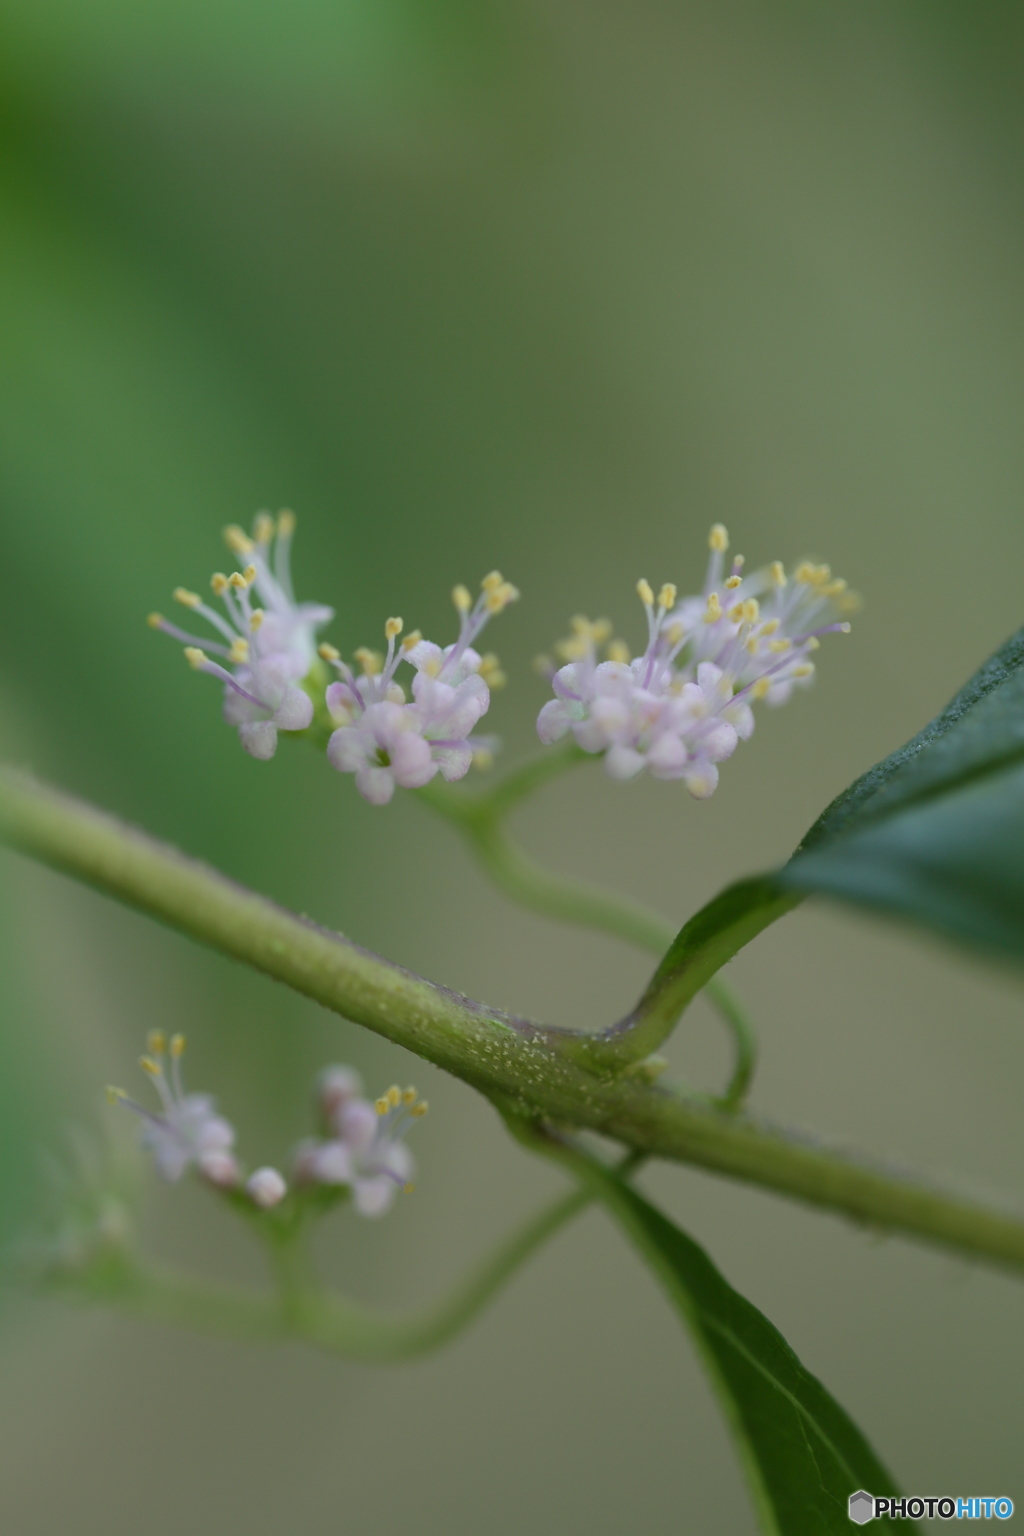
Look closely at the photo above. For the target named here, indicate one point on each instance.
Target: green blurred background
(550, 287)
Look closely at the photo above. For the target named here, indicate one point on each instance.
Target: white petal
(374, 1196)
(667, 757)
(295, 710)
(259, 739)
(267, 1187)
(701, 779)
(454, 762)
(357, 1123)
(221, 1168)
(349, 749)
(741, 717)
(376, 785)
(708, 676)
(434, 698)
(411, 762)
(623, 762)
(718, 743)
(329, 1163)
(553, 721)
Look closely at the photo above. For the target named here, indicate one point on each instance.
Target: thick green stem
(300, 1311)
(536, 1069)
(481, 818)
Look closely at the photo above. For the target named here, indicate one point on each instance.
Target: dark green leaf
(935, 833)
(802, 1453)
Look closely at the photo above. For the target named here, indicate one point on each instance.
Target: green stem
(299, 1311)
(537, 1069)
(481, 819)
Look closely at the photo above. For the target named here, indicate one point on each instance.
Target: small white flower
(683, 706)
(266, 1187)
(365, 1151)
(388, 741)
(271, 647)
(189, 1133)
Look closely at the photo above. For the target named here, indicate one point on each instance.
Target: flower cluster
(681, 708)
(364, 1149)
(270, 647)
(189, 1133)
(387, 740)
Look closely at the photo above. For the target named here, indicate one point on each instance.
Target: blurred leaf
(802, 1453)
(935, 832)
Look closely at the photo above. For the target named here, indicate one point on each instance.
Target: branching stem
(515, 1060)
(481, 818)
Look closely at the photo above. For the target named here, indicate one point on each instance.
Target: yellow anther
(498, 597)
(151, 1065)
(237, 540)
(285, 523)
(667, 596)
(618, 651)
(777, 572)
(461, 598)
(735, 613)
(408, 1189)
(219, 583)
(713, 612)
(412, 639)
(732, 582)
(844, 629)
(255, 619)
(264, 528)
(491, 671)
(492, 581)
(328, 652)
(420, 1109)
(751, 610)
(115, 1095)
(778, 646)
(805, 669)
(675, 633)
(394, 1096)
(760, 688)
(752, 645)
(238, 581)
(370, 661)
(433, 666)
(239, 652)
(186, 598)
(177, 1046)
(814, 643)
(770, 627)
(381, 1106)
(410, 1096)
(250, 573)
(645, 592)
(804, 573)
(195, 657)
(393, 628)
(156, 1042)
(834, 588)
(483, 759)
(850, 602)
(156, 620)
(822, 575)
(718, 538)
